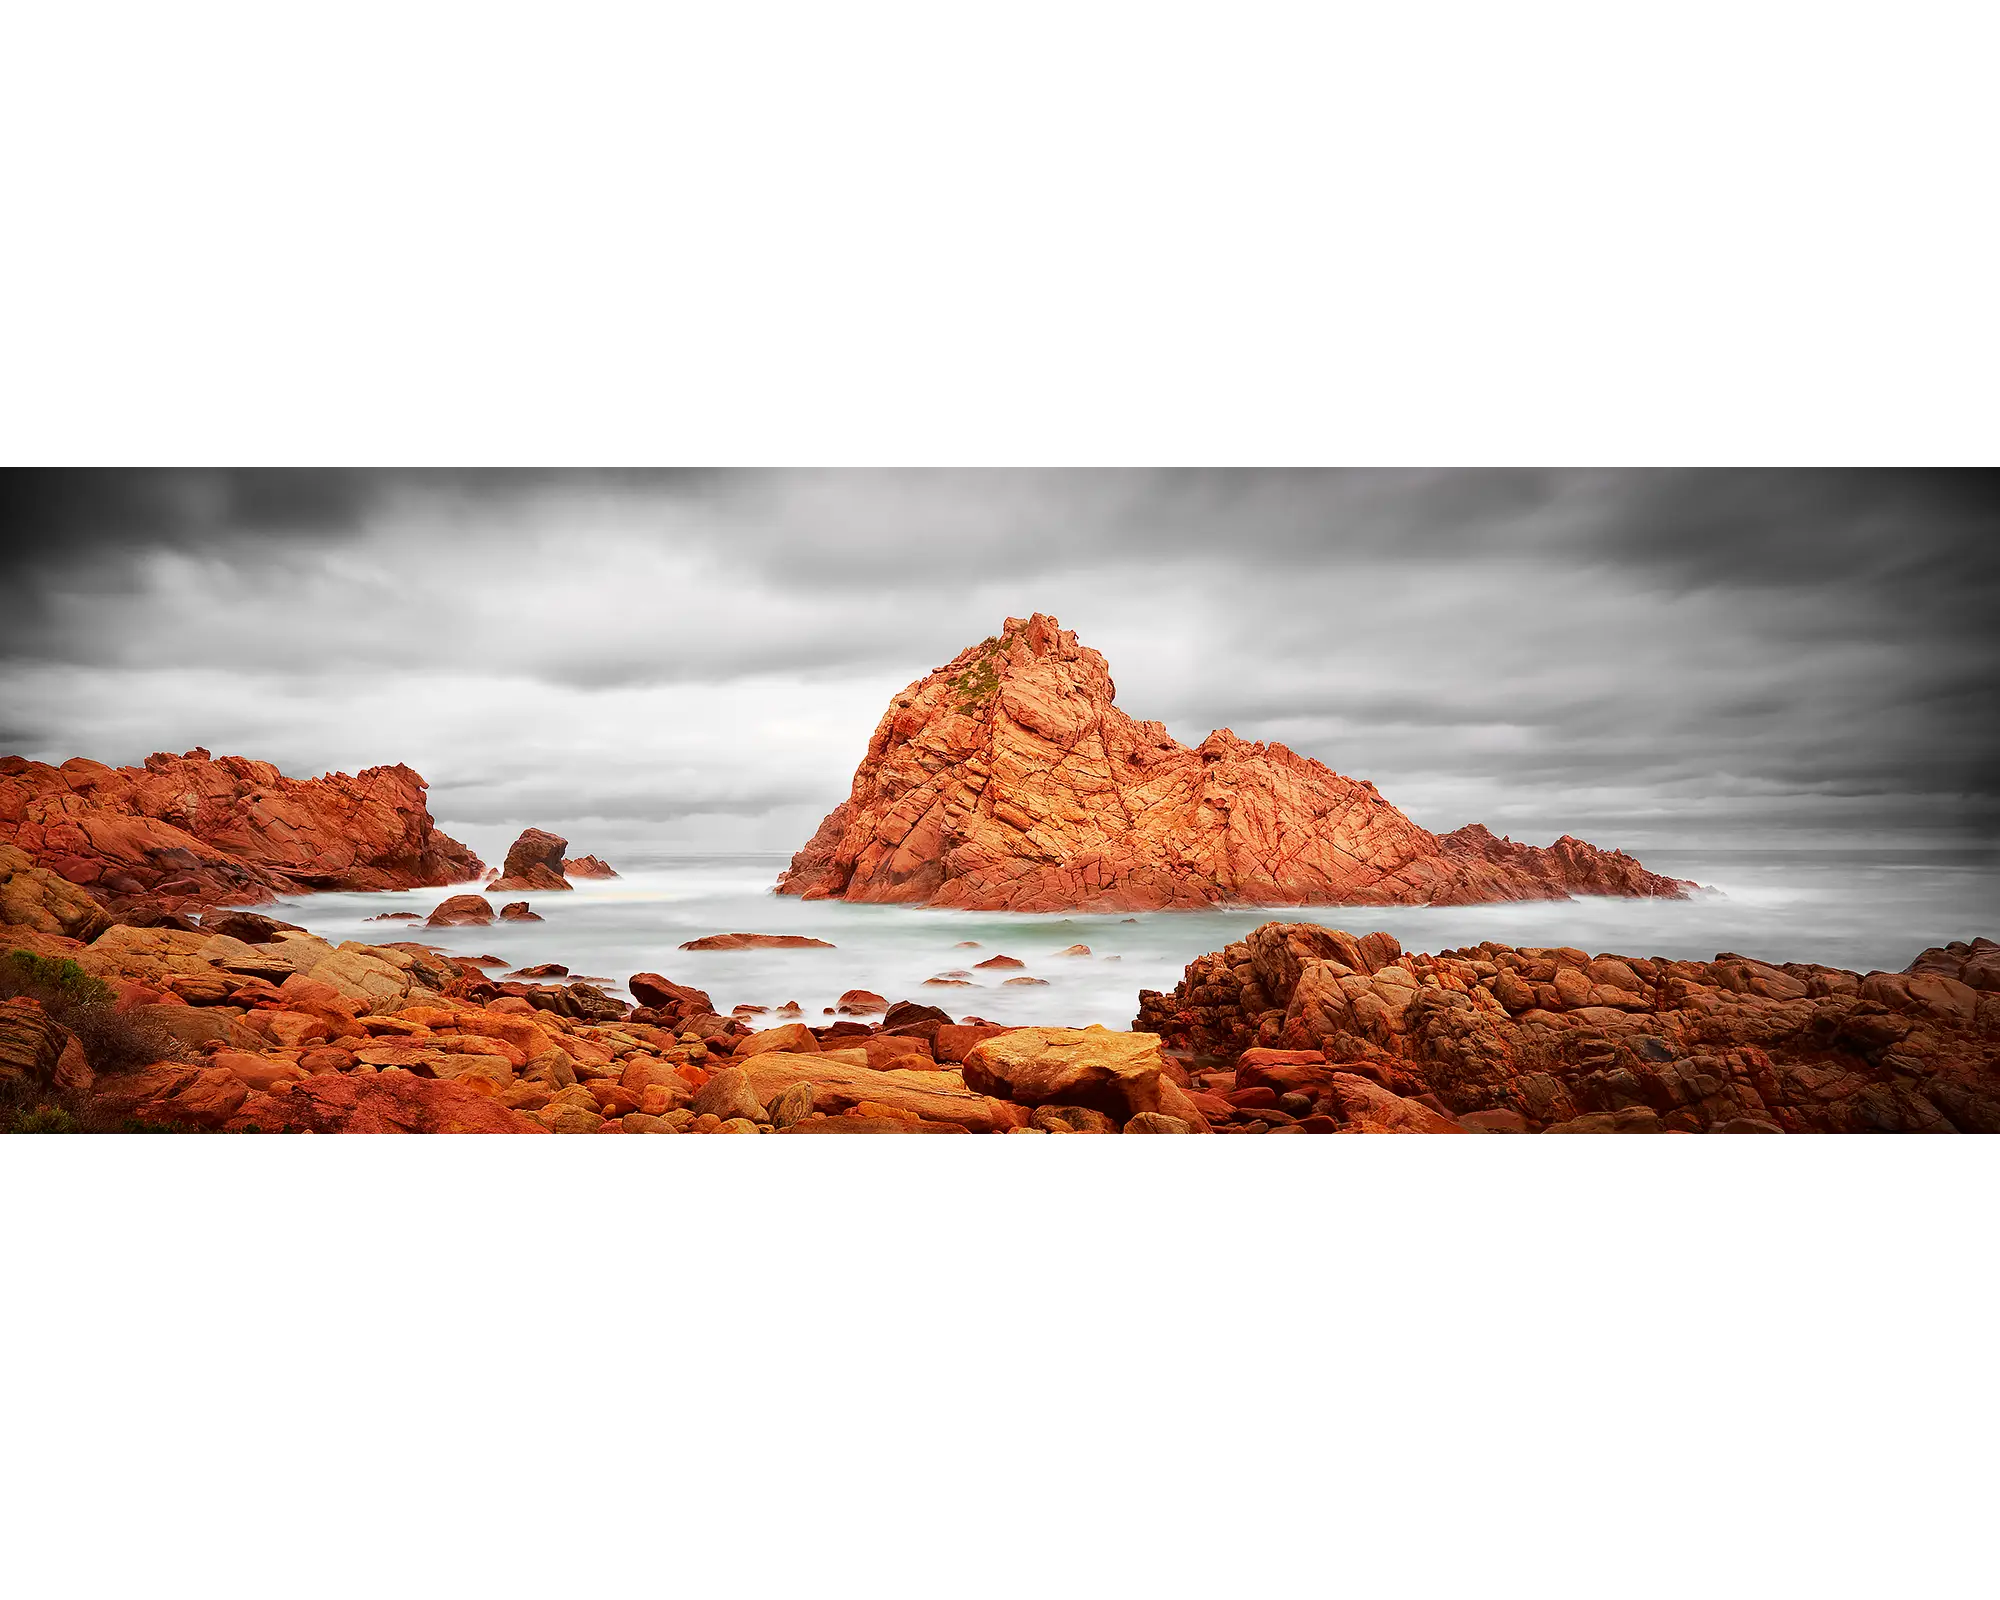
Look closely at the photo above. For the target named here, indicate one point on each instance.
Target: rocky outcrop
(33, 897)
(586, 867)
(534, 861)
(1008, 780)
(38, 1051)
(191, 831)
(1297, 1023)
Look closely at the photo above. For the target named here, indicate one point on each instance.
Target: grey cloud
(1520, 632)
(514, 802)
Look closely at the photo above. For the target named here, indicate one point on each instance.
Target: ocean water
(1856, 909)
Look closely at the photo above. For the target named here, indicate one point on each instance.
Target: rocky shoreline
(247, 1024)
(138, 994)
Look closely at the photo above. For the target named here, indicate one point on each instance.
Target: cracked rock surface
(1007, 780)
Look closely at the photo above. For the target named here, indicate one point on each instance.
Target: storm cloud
(1638, 657)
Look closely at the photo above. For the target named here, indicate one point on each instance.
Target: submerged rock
(756, 941)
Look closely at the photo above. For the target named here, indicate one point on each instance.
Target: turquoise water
(1855, 909)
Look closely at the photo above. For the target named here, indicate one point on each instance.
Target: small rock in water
(1012, 982)
(756, 941)
(461, 911)
(548, 969)
(1075, 950)
(999, 961)
(518, 911)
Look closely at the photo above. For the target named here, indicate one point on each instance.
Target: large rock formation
(195, 831)
(1007, 780)
(1498, 1039)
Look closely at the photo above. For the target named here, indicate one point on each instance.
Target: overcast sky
(697, 660)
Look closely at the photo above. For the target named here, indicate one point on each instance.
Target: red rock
(997, 961)
(193, 831)
(175, 1094)
(586, 867)
(519, 911)
(664, 995)
(394, 1102)
(794, 1036)
(854, 1124)
(248, 927)
(1041, 983)
(756, 941)
(1492, 1037)
(33, 897)
(328, 1059)
(1007, 780)
(904, 1012)
(548, 969)
(1502, 1120)
(258, 1072)
(862, 1003)
(38, 1050)
(888, 1050)
(461, 911)
(534, 861)
(955, 1039)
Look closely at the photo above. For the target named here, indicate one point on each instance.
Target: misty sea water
(1858, 909)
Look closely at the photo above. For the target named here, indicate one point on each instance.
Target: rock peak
(1008, 779)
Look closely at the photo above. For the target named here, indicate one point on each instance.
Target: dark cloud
(1468, 639)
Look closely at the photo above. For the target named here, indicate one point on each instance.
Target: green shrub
(111, 1040)
(44, 1119)
(57, 982)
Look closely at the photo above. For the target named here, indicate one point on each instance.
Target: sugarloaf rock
(191, 830)
(1008, 780)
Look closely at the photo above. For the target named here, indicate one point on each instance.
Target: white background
(875, 235)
